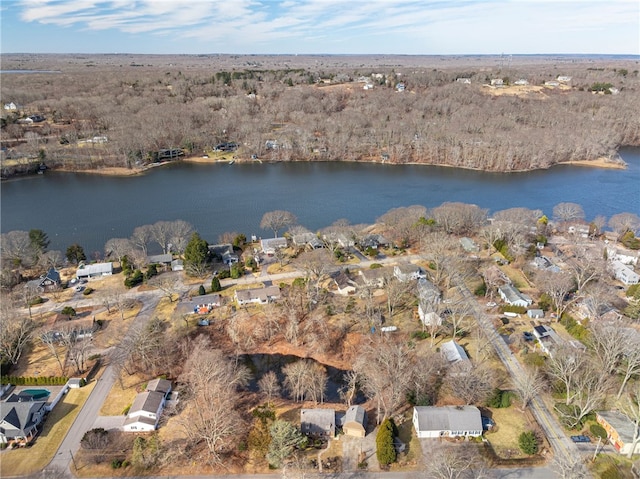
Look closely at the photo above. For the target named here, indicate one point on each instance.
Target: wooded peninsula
(496, 113)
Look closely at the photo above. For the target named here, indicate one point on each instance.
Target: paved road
(562, 446)
(87, 416)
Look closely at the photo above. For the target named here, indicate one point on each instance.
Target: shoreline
(602, 162)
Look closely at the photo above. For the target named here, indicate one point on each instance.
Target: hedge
(34, 381)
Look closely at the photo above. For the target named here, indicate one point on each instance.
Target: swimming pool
(37, 394)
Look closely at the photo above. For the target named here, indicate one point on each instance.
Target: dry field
(510, 423)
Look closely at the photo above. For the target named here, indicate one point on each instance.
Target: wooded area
(124, 110)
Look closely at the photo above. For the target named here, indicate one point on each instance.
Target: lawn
(510, 422)
(28, 460)
(119, 398)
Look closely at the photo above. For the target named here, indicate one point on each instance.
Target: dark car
(528, 336)
(487, 423)
(580, 439)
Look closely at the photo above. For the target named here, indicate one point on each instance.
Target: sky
(419, 27)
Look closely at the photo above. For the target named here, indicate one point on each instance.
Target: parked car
(580, 439)
(528, 336)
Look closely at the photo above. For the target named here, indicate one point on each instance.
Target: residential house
(622, 432)
(373, 241)
(354, 422)
(547, 338)
(199, 304)
(469, 245)
(368, 86)
(224, 253)
(623, 256)
(144, 413)
(344, 241)
(95, 270)
(318, 422)
(161, 259)
(307, 240)
(177, 265)
(400, 87)
(447, 421)
(535, 313)
(36, 118)
(624, 273)
(408, 271)
(497, 82)
(46, 282)
(257, 295)
(512, 296)
(20, 419)
(345, 285)
(544, 263)
(454, 353)
(521, 82)
(429, 318)
(270, 245)
(495, 276)
(563, 79)
(552, 83)
(375, 277)
(428, 292)
(463, 80)
(10, 106)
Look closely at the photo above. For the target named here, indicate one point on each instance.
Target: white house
(430, 318)
(624, 273)
(10, 106)
(95, 270)
(407, 272)
(547, 339)
(257, 295)
(512, 296)
(623, 256)
(147, 407)
(345, 285)
(447, 421)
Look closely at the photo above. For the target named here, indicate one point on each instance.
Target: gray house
(318, 422)
(20, 419)
(447, 421)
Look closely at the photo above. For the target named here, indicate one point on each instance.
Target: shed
(535, 313)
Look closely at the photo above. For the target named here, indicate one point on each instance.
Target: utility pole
(596, 451)
(75, 466)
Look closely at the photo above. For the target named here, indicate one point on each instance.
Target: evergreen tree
(75, 253)
(196, 254)
(39, 241)
(215, 285)
(385, 450)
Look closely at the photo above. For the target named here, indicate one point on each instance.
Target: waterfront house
(95, 270)
(447, 421)
(624, 273)
(161, 259)
(224, 253)
(345, 285)
(270, 245)
(46, 282)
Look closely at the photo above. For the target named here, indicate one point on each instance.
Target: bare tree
(16, 331)
(472, 384)
(631, 408)
(168, 284)
(564, 366)
(557, 286)
(269, 385)
(212, 382)
(276, 220)
(50, 340)
(401, 224)
(629, 365)
(397, 293)
(437, 248)
(569, 467)
(623, 222)
(316, 264)
(161, 233)
(568, 212)
(179, 234)
(377, 366)
(117, 248)
(459, 218)
(142, 236)
(17, 248)
(609, 343)
(51, 259)
(586, 266)
(449, 463)
(528, 386)
(295, 375)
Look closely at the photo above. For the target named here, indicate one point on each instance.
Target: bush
(236, 271)
(385, 451)
(507, 308)
(215, 285)
(68, 311)
(36, 300)
(135, 279)
(633, 291)
(598, 431)
(574, 328)
(420, 335)
(87, 291)
(611, 472)
(500, 399)
(116, 463)
(224, 274)
(528, 443)
(201, 290)
(481, 290)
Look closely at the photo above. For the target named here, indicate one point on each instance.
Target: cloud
(247, 23)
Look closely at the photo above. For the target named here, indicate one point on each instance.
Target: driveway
(352, 447)
(109, 423)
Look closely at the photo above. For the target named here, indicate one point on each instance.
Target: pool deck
(54, 390)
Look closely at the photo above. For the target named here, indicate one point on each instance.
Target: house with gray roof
(225, 253)
(257, 295)
(454, 353)
(376, 276)
(621, 431)
(164, 259)
(354, 422)
(144, 413)
(469, 245)
(20, 419)
(318, 422)
(271, 245)
(46, 282)
(512, 296)
(307, 240)
(624, 273)
(408, 271)
(447, 421)
(95, 270)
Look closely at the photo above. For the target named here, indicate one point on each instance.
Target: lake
(89, 209)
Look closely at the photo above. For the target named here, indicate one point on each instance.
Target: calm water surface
(90, 209)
